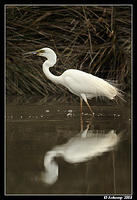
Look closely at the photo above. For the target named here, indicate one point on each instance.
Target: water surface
(96, 160)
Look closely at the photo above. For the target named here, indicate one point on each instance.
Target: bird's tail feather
(120, 94)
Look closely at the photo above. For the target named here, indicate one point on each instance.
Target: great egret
(80, 83)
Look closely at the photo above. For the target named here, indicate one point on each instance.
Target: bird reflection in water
(84, 146)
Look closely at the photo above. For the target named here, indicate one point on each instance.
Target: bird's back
(79, 82)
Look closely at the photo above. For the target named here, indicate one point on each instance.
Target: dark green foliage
(95, 39)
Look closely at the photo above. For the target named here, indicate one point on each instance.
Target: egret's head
(44, 52)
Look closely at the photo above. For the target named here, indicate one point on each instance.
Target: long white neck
(50, 63)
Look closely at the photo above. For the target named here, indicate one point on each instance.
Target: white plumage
(79, 82)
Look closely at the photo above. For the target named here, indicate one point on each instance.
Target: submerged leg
(81, 120)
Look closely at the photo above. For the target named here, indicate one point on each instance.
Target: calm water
(47, 153)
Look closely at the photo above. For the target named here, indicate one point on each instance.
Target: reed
(95, 39)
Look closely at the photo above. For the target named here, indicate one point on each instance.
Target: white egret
(80, 83)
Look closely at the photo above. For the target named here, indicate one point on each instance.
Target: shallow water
(95, 161)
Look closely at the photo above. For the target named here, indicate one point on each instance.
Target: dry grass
(94, 39)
